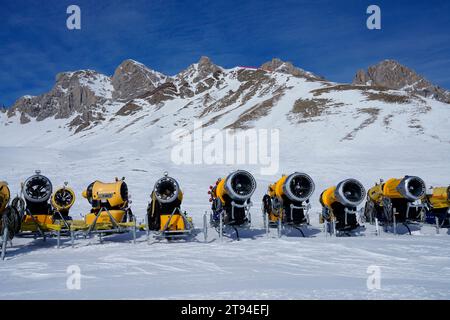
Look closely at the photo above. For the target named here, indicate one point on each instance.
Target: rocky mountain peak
(199, 71)
(278, 65)
(132, 79)
(393, 75)
(74, 92)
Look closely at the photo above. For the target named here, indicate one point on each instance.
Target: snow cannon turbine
(164, 210)
(62, 200)
(339, 204)
(288, 199)
(109, 202)
(37, 191)
(230, 198)
(398, 199)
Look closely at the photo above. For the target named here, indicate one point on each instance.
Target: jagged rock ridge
(393, 75)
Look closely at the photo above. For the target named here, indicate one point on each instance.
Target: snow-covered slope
(328, 130)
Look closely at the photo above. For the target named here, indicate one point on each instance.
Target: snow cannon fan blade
(166, 189)
(37, 189)
(350, 192)
(412, 188)
(240, 185)
(63, 199)
(298, 187)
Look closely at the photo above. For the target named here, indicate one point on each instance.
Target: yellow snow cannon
(37, 191)
(339, 205)
(231, 200)
(34, 202)
(398, 199)
(164, 212)
(110, 212)
(438, 205)
(109, 202)
(10, 218)
(287, 200)
(62, 200)
(440, 197)
(5, 195)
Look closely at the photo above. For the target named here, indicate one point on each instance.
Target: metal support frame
(205, 226)
(377, 227)
(436, 219)
(176, 234)
(222, 226)
(420, 206)
(394, 219)
(51, 233)
(147, 228)
(333, 226)
(280, 223)
(4, 236)
(115, 229)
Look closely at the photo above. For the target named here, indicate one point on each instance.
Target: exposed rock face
(87, 98)
(132, 79)
(198, 77)
(393, 75)
(74, 92)
(277, 65)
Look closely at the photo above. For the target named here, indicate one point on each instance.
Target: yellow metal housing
(65, 207)
(329, 197)
(390, 188)
(41, 219)
(376, 193)
(4, 196)
(104, 217)
(276, 189)
(440, 198)
(176, 223)
(220, 190)
(110, 192)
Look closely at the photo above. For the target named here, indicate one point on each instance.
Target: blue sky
(329, 38)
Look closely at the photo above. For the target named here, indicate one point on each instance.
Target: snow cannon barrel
(349, 193)
(297, 187)
(167, 190)
(5, 195)
(37, 190)
(238, 186)
(411, 188)
(63, 199)
(108, 195)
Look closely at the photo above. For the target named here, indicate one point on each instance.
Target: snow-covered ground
(257, 267)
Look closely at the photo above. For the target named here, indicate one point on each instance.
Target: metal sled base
(80, 228)
(167, 234)
(280, 225)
